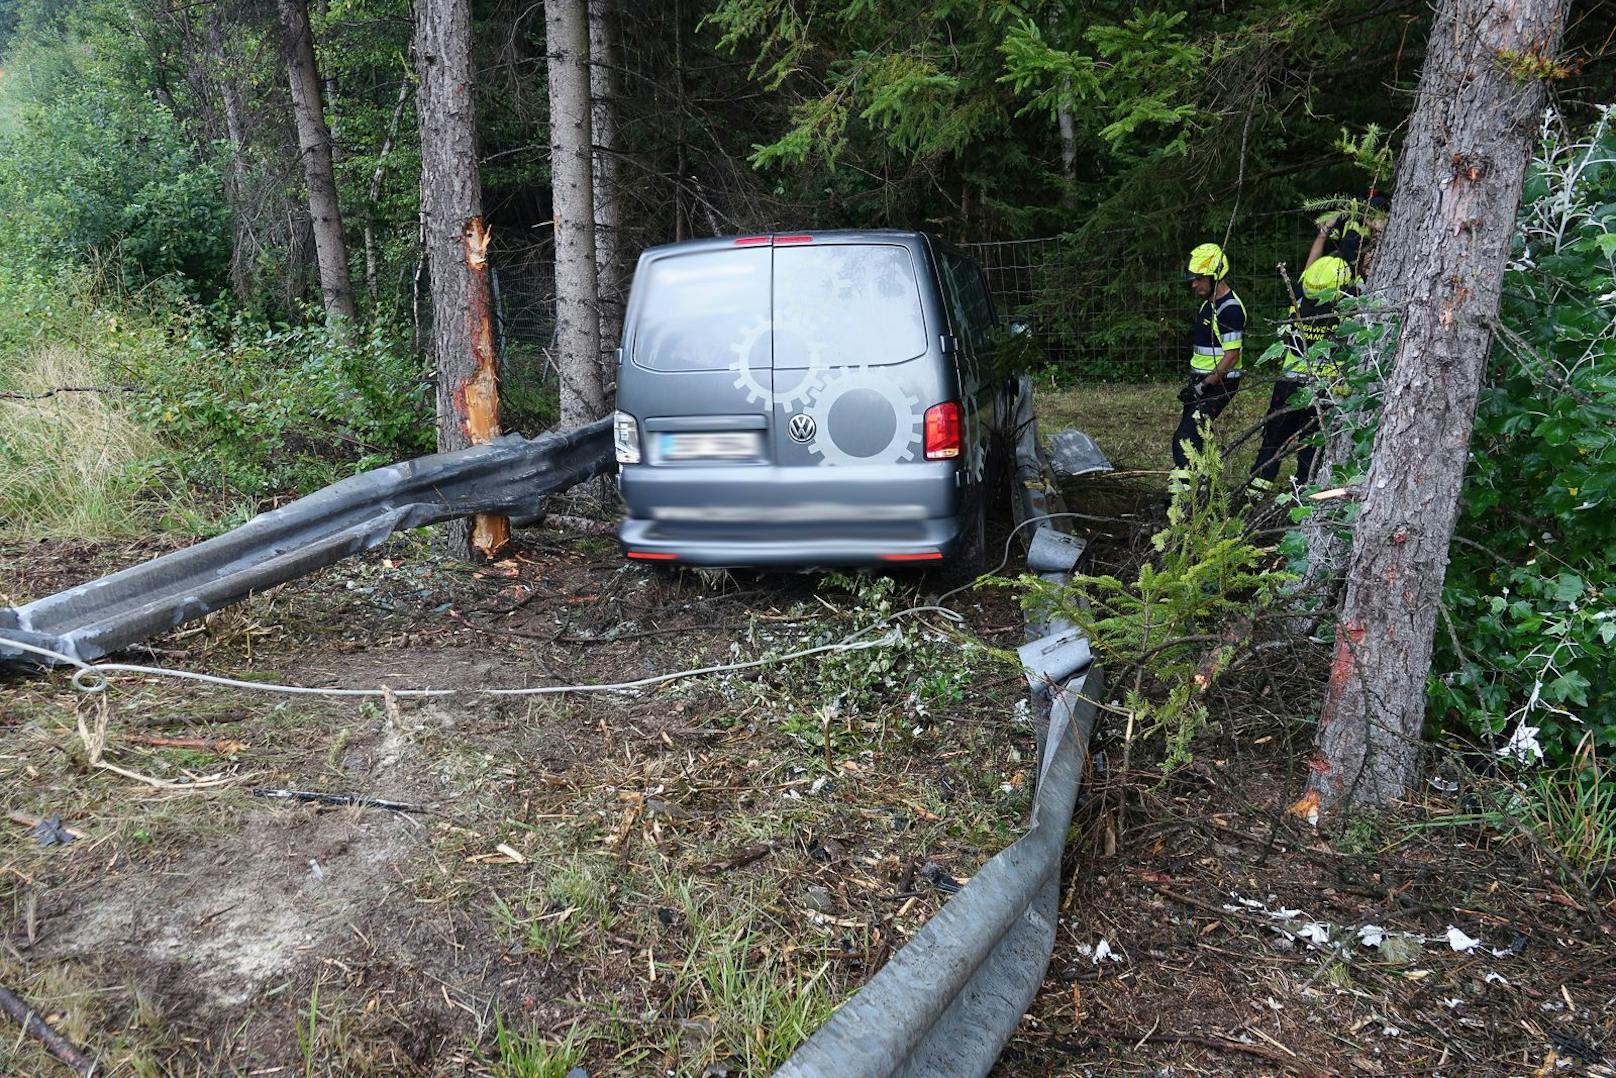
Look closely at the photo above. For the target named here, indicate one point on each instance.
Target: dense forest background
(161, 335)
(154, 141)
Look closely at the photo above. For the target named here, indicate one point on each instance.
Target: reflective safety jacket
(1309, 336)
(1219, 327)
(1312, 323)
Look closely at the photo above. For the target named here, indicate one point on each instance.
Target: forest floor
(688, 880)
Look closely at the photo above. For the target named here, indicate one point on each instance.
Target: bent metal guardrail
(947, 1002)
(508, 476)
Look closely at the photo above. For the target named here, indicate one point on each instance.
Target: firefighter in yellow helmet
(1220, 328)
(1311, 362)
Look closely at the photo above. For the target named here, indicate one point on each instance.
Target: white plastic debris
(1104, 953)
(1523, 745)
(1459, 941)
(1315, 933)
(1498, 978)
(1371, 935)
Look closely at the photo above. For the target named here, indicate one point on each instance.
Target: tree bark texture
(605, 89)
(583, 393)
(1442, 262)
(456, 242)
(314, 147)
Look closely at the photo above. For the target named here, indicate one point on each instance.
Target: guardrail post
(476, 400)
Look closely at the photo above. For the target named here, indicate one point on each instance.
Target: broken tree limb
(222, 745)
(336, 799)
(34, 1025)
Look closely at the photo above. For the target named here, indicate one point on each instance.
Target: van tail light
(943, 431)
(626, 438)
(795, 238)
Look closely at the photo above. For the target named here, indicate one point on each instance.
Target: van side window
(846, 305)
(968, 300)
(701, 308)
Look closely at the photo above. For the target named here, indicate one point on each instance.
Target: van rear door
(855, 354)
(701, 340)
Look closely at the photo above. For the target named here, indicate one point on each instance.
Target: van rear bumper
(799, 517)
(741, 546)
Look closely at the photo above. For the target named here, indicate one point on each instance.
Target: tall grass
(69, 462)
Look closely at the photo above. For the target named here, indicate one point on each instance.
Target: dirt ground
(681, 881)
(686, 881)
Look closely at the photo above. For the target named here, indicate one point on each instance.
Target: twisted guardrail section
(507, 475)
(947, 1002)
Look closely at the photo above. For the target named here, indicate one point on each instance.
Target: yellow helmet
(1208, 260)
(1325, 278)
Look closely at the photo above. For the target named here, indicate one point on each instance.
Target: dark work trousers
(1207, 407)
(1288, 427)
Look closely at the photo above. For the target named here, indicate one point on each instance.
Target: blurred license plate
(722, 445)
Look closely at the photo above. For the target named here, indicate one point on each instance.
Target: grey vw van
(806, 399)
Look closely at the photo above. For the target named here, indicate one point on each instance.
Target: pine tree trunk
(314, 146)
(604, 92)
(456, 244)
(583, 394)
(374, 192)
(243, 252)
(1068, 135)
(1442, 263)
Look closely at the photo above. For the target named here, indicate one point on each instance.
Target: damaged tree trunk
(583, 389)
(456, 251)
(1442, 262)
(314, 147)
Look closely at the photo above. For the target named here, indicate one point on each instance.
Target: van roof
(830, 235)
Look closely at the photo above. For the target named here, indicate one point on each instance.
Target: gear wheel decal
(758, 393)
(905, 411)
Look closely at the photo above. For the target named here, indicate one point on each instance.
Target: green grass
(532, 1055)
(70, 463)
(760, 1006)
(1134, 424)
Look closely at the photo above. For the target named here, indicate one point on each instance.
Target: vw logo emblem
(801, 428)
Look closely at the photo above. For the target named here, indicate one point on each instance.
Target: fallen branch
(741, 858)
(34, 1025)
(67, 389)
(337, 799)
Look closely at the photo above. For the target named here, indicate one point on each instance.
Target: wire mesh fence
(1118, 308)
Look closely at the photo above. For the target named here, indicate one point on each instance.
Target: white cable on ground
(92, 677)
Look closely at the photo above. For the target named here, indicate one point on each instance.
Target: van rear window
(700, 307)
(846, 304)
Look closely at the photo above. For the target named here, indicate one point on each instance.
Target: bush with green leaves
(1170, 631)
(1530, 586)
(261, 408)
(91, 167)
